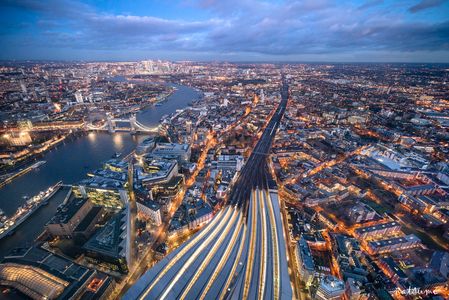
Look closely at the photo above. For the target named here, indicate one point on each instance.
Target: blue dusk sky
(231, 30)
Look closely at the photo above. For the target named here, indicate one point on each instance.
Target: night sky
(232, 30)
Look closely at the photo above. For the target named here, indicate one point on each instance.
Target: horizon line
(216, 61)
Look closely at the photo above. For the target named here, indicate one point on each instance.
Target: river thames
(71, 161)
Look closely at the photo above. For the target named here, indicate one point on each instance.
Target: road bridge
(134, 126)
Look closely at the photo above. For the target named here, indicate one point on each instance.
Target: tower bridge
(111, 125)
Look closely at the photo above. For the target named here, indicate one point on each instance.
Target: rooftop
(306, 255)
(66, 212)
(72, 276)
(394, 241)
(108, 240)
(376, 227)
(88, 218)
(330, 284)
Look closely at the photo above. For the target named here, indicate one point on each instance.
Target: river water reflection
(70, 162)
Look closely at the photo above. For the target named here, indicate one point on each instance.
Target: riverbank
(25, 211)
(71, 160)
(10, 177)
(38, 153)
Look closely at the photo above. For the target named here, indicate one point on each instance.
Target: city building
(191, 214)
(330, 288)
(394, 244)
(40, 274)
(145, 146)
(361, 213)
(181, 152)
(154, 172)
(79, 97)
(378, 230)
(102, 193)
(234, 162)
(305, 262)
(392, 270)
(354, 290)
(111, 243)
(18, 139)
(440, 263)
(88, 225)
(68, 217)
(151, 210)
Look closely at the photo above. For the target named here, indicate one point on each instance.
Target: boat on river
(8, 225)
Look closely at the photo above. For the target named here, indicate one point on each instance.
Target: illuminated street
(242, 248)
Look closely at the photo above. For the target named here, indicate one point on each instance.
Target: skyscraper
(79, 97)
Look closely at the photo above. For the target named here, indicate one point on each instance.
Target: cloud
(425, 4)
(60, 8)
(233, 28)
(370, 3)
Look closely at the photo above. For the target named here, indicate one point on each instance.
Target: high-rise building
(148, 66)
(23, 87)
(189, 126)
(112, 242)
(79, 97)
(330, 288)
(305, 262)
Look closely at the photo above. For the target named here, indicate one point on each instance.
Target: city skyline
(284, 31)
(183, 180)
(224, 149)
